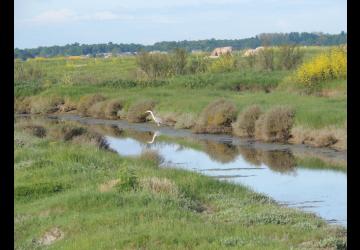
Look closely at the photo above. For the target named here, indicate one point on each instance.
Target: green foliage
(128, 179)
(290, 56)
(225, 63)
(76, 49)
(267, 59)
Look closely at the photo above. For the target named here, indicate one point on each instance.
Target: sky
(60, 22)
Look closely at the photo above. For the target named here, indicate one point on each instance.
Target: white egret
(157, 120)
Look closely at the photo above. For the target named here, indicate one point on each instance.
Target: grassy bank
(73, 195)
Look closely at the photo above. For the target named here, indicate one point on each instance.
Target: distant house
(252, 52)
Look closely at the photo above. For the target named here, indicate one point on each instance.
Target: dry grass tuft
(112, 108)
(87, 101)
(46, 105)
(185, 121)
(97, 110)
(159, 186)
(68, 105)
(245, 123)
(325, 137)
(136, 112)
(216, 117)
(22, 105)
(151, 155)
(275, 125)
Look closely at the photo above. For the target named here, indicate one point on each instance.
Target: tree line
(272, 39)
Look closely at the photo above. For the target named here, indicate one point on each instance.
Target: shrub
(36, 130)
(266, 58)
(128, 180)
(216, 117)
(186, 121)
(324, 67)
(245, 123)
(275, 124)
(197, 65)
(112, 108)
(97, 110)
(136, 112)
(87, 101)
(290, 56)
(46, 105)
(22, 105)
(225, 63)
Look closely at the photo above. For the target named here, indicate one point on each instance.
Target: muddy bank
(324, 153)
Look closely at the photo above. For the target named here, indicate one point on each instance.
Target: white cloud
(67, 15)
(54, 16)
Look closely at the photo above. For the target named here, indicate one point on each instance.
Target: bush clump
(97, 110)
(112, 108)
(245, 123)
(216, 117)
(87, 101)
(46, 105)
(275, 125)
(136, 112)
(35, 130)
(128, 180)
(22, 105)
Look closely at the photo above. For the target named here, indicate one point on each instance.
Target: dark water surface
(278, 171)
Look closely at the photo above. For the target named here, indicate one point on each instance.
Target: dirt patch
(107, 186)
(51, 236)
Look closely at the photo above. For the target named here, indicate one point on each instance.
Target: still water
(274, 173)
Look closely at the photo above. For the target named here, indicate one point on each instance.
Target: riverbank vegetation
(311, 81)
(73, 194)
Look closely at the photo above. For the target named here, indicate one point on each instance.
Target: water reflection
(274, 173)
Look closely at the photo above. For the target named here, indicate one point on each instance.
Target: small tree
(266, 58)
(178, 61)
(290, 56)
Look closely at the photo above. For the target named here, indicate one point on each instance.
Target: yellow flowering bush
(327, 66)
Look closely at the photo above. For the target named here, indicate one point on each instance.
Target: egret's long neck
(152, 115)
